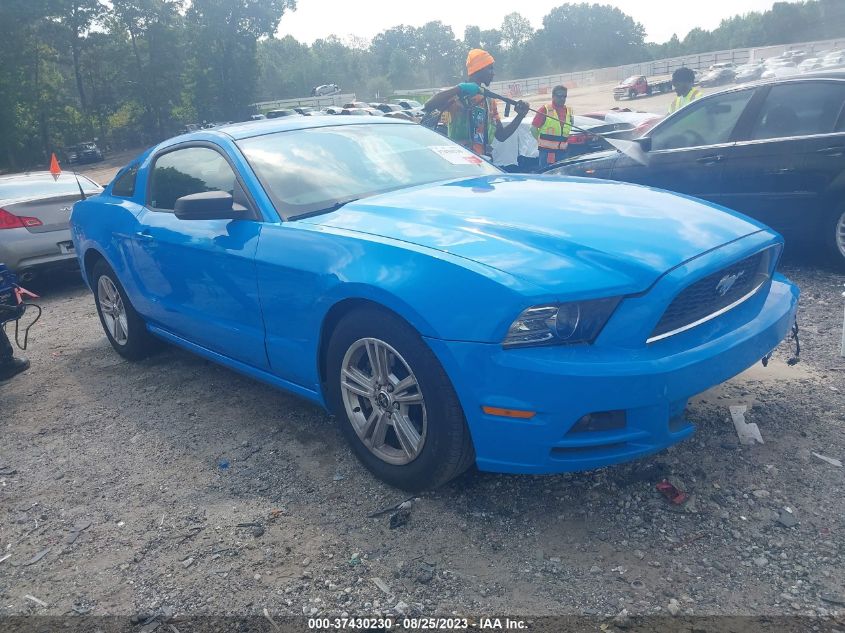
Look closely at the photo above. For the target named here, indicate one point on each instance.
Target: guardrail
(314, 102)
(702, 61)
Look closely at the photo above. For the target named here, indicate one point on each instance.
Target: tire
(378, 427)
(632, 94)
(833, 236)
(123, 326)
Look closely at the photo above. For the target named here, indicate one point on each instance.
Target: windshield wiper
(333, 207)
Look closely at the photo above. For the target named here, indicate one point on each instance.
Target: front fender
(304, 271)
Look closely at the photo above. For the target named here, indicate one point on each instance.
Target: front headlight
(560, 323)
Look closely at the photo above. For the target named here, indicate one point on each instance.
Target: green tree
(516, 31)
(440, 53)
(224, 34)
(579, 36)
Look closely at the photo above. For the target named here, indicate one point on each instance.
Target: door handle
(832, 151)
(710, 160)
(144, 235)
(782, 170)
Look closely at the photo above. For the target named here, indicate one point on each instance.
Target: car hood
(566, 236)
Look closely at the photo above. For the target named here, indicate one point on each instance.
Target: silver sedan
(34, 212)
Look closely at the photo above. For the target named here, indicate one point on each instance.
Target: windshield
(311, 170)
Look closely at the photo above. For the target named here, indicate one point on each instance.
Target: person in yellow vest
(683, 80)
(472, 119)
(552, 136)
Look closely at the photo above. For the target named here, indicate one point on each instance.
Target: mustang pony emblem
(727, 282)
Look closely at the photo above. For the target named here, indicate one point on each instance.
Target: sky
(315, 19)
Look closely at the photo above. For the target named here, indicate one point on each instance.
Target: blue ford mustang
(447, 313)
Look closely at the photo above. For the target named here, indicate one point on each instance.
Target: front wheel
(395, 404)
(632, 94)
(834, 237)
(124, 327)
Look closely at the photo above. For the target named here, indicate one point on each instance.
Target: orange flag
(54, 166)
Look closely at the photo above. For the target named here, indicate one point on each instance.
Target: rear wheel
(396, 406)
(123, 326)
(834, 238)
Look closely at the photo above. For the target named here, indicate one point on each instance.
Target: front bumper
(649, 383)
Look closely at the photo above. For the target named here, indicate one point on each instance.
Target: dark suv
(86, 152)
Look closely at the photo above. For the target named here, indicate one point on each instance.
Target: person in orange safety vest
(553, 135)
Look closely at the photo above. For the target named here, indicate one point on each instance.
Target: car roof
(815, 75)
(249, 129)
(40, 175)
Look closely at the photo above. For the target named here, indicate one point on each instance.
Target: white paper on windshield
(456, 154)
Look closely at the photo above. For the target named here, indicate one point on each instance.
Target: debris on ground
(829, 460)
(674, 607)
(270, 619)
(671, 492)
(36, 558)
(75, 531)
(378, 582)
(787, 518)
(833, 599)
(748, 432)
(401, 516)
(40, 603)
(402, 503)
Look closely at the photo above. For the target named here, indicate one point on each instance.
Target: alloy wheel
(113, 310)
(839, 234)
(383, 401)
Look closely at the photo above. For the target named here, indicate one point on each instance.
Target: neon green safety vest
(553, 135)
(680, 102)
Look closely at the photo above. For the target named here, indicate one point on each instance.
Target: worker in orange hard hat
(473, 118)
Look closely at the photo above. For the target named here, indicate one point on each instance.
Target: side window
(706, 122)
(799, 109)
(186, 171)
(124, 186)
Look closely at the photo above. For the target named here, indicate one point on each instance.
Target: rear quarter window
(124, 185)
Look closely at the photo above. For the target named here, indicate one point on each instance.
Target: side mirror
(209, 205)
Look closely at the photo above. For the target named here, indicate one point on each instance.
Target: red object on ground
(672, 493)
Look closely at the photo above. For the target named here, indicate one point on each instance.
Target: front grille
(707, 297)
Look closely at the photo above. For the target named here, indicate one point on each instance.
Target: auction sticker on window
(456, 154)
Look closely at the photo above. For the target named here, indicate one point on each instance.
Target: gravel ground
(175, 484)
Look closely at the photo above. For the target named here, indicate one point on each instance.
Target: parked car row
(394, 110)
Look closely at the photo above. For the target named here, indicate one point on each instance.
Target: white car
(779, 72)
(810, 64)
(836, 59)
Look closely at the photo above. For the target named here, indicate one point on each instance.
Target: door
(197, 277)
(785, 167)
(688, 151)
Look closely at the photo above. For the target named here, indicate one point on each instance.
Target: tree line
(132, 72)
